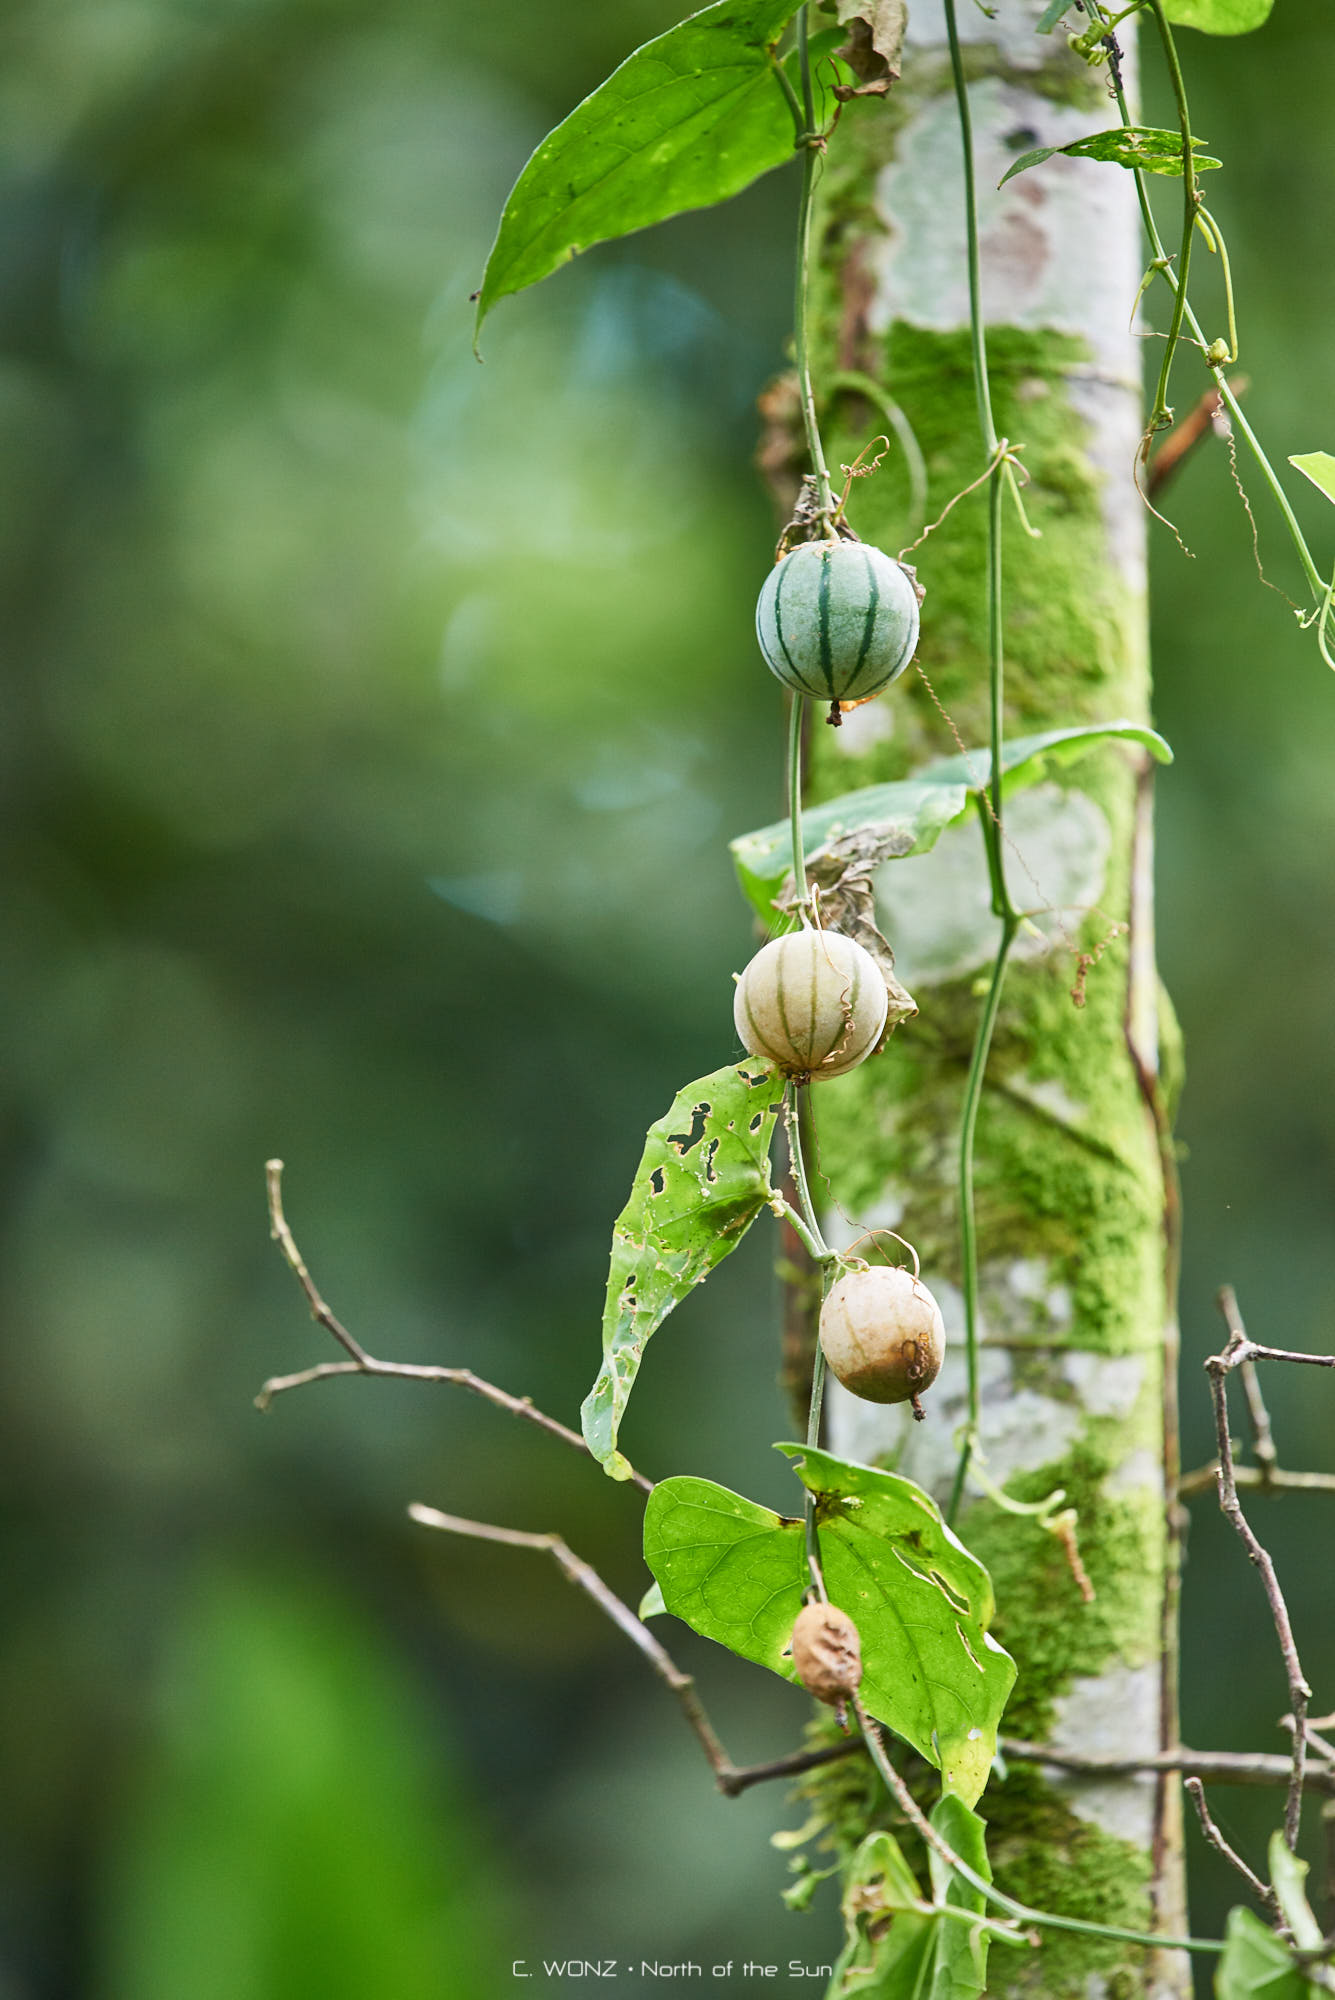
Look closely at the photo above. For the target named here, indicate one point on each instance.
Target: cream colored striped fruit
(882, 1334)
(813, 1003)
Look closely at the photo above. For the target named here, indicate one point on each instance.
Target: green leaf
(1144, 146)
(1288, 1875)
(691, 118)
(735, 1572)
(883, 1960)
(702, 1181)
(1051, 15)
(887, 822)
(1319, 467)
(1255, 1965)
(898, 1945)
(1219, 17)
(960, 1972)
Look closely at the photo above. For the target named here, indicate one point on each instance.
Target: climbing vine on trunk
(867, 1595)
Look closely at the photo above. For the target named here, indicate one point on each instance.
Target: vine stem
(978, 340)
(825, 1257)
(991, 807)
(1160, 262)
(795, 720)
(810, 143)
(1161, 414)
(973, 1091)
(1044, 1919)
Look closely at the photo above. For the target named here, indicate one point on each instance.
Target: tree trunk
(1075, 1199)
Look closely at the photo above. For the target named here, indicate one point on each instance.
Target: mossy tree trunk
(1073, 1203)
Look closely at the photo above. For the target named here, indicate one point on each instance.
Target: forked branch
(731, 1778)
(362, 1363)
(1237, 1354)
(1260, 1889)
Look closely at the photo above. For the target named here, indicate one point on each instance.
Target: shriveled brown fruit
(826, 1653)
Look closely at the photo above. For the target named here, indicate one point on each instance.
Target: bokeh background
(374, 723)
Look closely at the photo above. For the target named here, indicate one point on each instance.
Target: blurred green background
(374, 724)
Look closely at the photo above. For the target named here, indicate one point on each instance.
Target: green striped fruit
(837, 620)
(882, 1333)
(813, 1003)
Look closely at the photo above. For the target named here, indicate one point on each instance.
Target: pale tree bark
(1074, 1198)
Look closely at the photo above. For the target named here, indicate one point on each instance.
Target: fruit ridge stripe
(760, 1045)
(869, 625)
(780, 1004)
(823, 615)
(798, 679)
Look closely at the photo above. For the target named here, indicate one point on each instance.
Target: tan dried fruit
(882, 1334)
(826, 1653)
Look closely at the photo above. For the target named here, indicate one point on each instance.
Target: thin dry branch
(1276, 1480)
(1259, 1889)
(362, 1363)
(1221, 1767)
(1219, 1367)
(731, 1778)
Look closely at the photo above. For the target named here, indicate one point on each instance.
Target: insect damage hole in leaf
(1144, 146)
(702, 1180)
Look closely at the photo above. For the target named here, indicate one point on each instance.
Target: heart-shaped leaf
(932, 1673)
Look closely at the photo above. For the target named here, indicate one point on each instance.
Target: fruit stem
(973, 1091)
(811, 144)
(826, 1258)
(796, 716)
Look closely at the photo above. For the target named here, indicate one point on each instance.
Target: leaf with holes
(703, 1180)
(1144, 146)
(1319, 467)
(859, 830)
(735, 1572)
(1219, 17)
(688, 120)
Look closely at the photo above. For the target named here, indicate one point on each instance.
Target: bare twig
(1276, 1481)
(731, 1778)
(792, 1765)
(1221, 1767)
(1227, 1302)
(362, 1363)
(1263, 1442)
(1259, 1889)
(1219, 1366)
(589, 1581)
